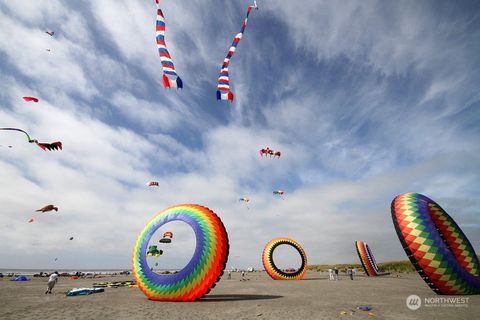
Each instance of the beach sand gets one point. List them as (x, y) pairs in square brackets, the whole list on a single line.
[(315, 297)]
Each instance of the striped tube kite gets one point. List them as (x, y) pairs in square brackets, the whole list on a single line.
[(276, 273), (436, 246), (205, 267), (367, 259), (170, 77), (42, 145), (223, 86)]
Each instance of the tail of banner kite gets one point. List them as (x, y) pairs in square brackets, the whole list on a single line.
[(223, 86), (170, 77), (367, 259)]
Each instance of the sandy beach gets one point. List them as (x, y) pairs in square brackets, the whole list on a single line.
[(315, 297)]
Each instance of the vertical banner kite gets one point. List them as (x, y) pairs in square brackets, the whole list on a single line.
[(170, 77), (223, 86)]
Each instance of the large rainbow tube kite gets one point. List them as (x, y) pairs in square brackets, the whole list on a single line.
[(202, 271), (170, 77), (270, 267), (435, 245), (367, 259), (223, 86)]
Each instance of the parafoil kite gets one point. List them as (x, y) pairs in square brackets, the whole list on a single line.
[(223, 86), (167, 237), (436, 246), (152, 184), (50, 33), (170, 77), (44, 146), (270, 267), (71, 238), (47, 208), (30, 99), (367, 259), (244, 200), (30, 220), (154, 252), (267, 151), (203, 270)]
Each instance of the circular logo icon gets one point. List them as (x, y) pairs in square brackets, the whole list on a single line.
[(413, 302)]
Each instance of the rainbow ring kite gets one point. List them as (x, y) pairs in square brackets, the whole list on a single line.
[(202, 271), (367, 259), (269, 265), (436, 245)]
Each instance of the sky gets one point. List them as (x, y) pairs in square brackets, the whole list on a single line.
[(365, 100)]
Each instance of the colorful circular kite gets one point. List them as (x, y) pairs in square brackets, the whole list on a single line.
[(367, 259), (271, 268), (436, 245), (202, 271)]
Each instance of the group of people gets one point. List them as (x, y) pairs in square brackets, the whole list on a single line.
[(333, 273)]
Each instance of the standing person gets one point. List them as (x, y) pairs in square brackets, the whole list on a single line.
[(52, 280), (350, 273), (229, 274), (336, 273), (330, 274), (243, 275)]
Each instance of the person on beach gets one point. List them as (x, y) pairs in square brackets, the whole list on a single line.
[(52, 280), (330, 274), (350, 273), (229, 275), (336, 273)]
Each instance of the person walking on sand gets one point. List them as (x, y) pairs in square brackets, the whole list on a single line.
[(336, 273), (52, 280), (350, 273)]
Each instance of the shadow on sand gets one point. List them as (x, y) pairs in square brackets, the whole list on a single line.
[(238, 297), (314, 279)]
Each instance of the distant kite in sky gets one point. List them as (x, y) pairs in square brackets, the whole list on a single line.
[(71, 238), (152, 184), (170, 77), (47, 208), (44, 146), (30, 99), (50, 33), (279, 193), (30, 220), (223, 86), (246, 201), (267, 151)]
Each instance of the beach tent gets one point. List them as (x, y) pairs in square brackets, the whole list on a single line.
[(20, 278)]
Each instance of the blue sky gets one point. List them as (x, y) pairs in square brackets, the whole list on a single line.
[(366, 100)]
